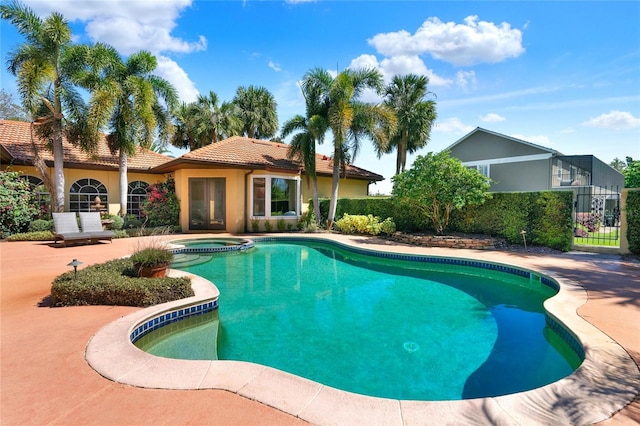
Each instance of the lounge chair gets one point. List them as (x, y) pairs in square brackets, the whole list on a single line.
[(92, 225), (66, 229)]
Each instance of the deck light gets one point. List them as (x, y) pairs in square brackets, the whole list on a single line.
[(75, 263)]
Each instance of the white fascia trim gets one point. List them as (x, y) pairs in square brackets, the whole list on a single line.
[(505, 160)]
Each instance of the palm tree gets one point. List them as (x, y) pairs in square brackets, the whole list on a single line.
[(256, 108), (405, 95), (311, 129), (213, 122), (127, 97), (44, 69), (350, 119), (184, 129)]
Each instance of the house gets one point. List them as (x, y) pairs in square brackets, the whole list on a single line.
[(516, 165), (221, 187)]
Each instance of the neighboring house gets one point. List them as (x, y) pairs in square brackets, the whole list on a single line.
[(221, 187), (517, 165)]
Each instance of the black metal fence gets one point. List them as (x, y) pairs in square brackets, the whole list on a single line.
[(596, 216)]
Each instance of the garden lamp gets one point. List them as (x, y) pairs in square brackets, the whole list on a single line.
[(75, 263)]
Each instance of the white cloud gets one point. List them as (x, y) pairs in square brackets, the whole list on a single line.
[(464, 79), (492, 118), (452, 125), (130, 26), (471, 43), (274, 66), (171, 71), (617, 120), (399, 65), (538, 140)]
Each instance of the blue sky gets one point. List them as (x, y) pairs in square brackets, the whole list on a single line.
[(564, 75)]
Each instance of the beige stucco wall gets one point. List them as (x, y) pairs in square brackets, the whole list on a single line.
[(110, 179)]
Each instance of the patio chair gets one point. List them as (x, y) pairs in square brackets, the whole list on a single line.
[(92, 225), (66, 229)]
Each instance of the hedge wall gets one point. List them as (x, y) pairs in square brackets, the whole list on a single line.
[(545, 216), (633, 221)]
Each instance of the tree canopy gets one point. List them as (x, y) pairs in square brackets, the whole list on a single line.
[(436, 185)]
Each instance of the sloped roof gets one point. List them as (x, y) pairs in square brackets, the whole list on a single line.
[(247, 153), (15, 141), (480, 129)]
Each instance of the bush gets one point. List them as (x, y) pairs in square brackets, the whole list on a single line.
[(152, 256), (114, 283), (132, 221), (39, 225), (633, 221), (267, 226), (116, 222), (281, 225), (31, 236), (18, 206), (161, 206), (368, 225)]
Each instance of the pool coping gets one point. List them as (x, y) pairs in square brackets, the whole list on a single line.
[(601, 386)]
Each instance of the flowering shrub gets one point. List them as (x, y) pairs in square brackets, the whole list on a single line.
[(161, 207), (18, 206), (361, 224), (591, 221)]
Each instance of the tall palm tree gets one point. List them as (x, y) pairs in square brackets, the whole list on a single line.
[(256, 108), (133, 102), (405, 95), (349, 119), (43, 67), (311, 129), (215, 122), (184, 129)]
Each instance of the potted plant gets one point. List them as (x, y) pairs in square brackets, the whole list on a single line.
[(151, 262)]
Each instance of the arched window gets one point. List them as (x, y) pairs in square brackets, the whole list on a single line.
[(136, 195), (40, 190), (83, 193)]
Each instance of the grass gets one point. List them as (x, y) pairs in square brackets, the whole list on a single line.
[(609, 239)]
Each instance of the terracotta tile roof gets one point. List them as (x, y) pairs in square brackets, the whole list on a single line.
[(15, 140), (238, 151)]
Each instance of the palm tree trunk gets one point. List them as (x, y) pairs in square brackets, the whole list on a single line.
[(316, 205), (337, 152), (124, 185), (57, 199)]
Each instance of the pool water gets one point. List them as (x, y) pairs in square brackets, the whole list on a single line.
[(380, 327)]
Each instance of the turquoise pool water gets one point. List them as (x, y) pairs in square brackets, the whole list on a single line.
[(380, 327)]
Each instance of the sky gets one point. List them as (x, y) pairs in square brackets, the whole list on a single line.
[(561, 74)]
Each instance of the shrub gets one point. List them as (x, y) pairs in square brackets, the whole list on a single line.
[(39, 225), (117, 222), (18, 206), (31, 236), (114, 283), (589, 220), (132, 221), (161, 206), (281, 225), (368, 225), (268, 226), (633, 221), (255, 225)]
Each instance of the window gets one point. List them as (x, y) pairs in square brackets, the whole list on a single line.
[(483, 169), (275, 196), (40, 191), (83, 194), (136, 196)]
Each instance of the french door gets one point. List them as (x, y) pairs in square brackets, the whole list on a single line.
[(207, 204)]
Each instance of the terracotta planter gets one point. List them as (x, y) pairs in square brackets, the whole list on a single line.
[(157, 271)]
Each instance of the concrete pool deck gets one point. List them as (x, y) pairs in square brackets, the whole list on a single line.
[(45, 378)]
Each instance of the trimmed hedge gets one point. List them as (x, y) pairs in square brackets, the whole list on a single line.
[(633, 221), (545, 216), (115, 283)]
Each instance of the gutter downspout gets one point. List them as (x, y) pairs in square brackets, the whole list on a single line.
[(246, 196)]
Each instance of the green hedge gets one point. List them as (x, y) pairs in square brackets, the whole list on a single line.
[(545, 216), (633, 221), (114, 283)]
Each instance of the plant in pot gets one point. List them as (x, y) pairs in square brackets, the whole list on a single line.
[(151, 262)]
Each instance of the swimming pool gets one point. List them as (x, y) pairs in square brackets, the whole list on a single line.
[(396, 327)]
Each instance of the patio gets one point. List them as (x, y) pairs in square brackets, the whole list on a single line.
[(45, 378)]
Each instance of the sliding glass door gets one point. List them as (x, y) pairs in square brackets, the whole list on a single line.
[(207, 204)]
